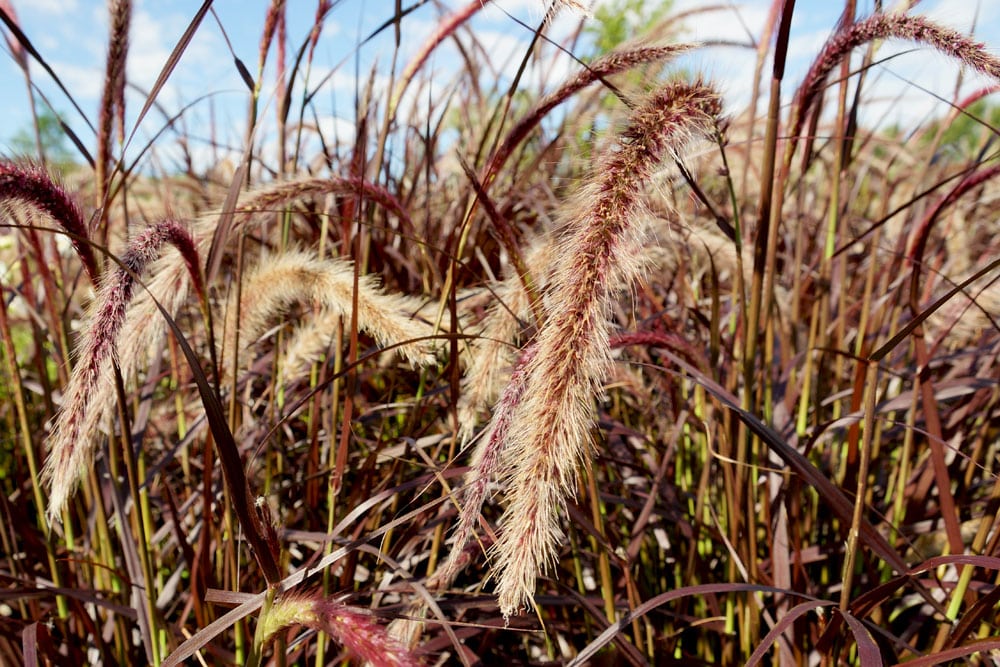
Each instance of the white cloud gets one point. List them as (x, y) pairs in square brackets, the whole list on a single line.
[(736, 23), (529, 11), (57, 7), (333, 129), (83, 82)]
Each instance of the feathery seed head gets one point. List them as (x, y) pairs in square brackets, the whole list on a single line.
[(354, 629), (888, 26), (549, 430), (90, 392), (486, 462), (322, 8), (297, 276), (608, 65), (112, 109), (34, 187)]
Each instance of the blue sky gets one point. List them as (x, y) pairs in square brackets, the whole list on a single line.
[(71, 35)]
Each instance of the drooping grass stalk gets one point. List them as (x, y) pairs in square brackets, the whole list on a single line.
[(278, 195), (281, 280), (486, 463), (622, 60), (481, 382), (892, 25), (91, 388), (29, 189), (549, 435), (32, 186), (170, 280), (921, 233)]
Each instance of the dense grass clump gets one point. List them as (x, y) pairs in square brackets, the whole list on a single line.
[(595, 371)]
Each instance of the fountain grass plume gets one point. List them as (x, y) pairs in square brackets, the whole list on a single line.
[(90, 394), (323, 7), (619, 60), (32, 187), (310, 343), (170, 281), (112, 109), (888, 26), (353, 628), (599, 253), (486, 463), (273, 20), (278, 195), (493, 352), (298, 276)]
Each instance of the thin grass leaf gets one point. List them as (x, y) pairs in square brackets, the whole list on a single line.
[(781, 626), (609, 633)]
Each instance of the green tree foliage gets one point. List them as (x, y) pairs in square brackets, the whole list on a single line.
[(619, 21), (614, 23), (56, 147), (969, 132)]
